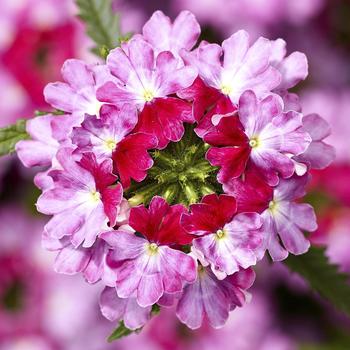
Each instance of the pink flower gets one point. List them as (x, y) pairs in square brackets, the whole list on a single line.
[(269, 139), (91, 262), (284, 220), (128, 310), (213, 299), (70, 260), (47, 133), (81, 199), (78, 93), (318, 155), (230, 147), (228, 241), (293, 69), (102, 135), (163, 35), (110, 137), (146, 81), (147, 267), (243, 67)]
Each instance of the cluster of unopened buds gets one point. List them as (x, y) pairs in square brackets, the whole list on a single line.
[(171, 170)]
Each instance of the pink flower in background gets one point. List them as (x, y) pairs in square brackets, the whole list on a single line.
[(213, 299), (257, 16), (45, 50), (35, 301), (228, 241), (81, 201), (334, 107), (244, 67), (14, 101)]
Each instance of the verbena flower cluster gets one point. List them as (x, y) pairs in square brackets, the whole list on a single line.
[(173, 169)]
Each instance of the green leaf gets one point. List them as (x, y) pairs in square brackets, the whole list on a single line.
[(121, 331), (323, 277), (10, 135), (102, 24)]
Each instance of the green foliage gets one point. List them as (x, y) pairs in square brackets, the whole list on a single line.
[(323, 277), (120, 332), (102, 24), (10, 135)]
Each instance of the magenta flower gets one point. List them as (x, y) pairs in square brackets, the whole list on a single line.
[(284, 220), (81, 201), (147, 267), (77, 94), (109, 137), (146, 81), (228, 241), (128, 310), (202, 97), (269, 139), (213, 299), (236, 66), (163, 35)]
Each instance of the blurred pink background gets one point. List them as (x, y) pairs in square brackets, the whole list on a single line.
[(41, 310)]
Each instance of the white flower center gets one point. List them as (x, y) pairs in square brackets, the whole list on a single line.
[(148, 95), (152, 249), (220, 234), (95, 196), (273, 205), (254, 142), (110, 144), (226, 89)]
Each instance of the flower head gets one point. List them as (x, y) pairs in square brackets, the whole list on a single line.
[(166, 155)]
